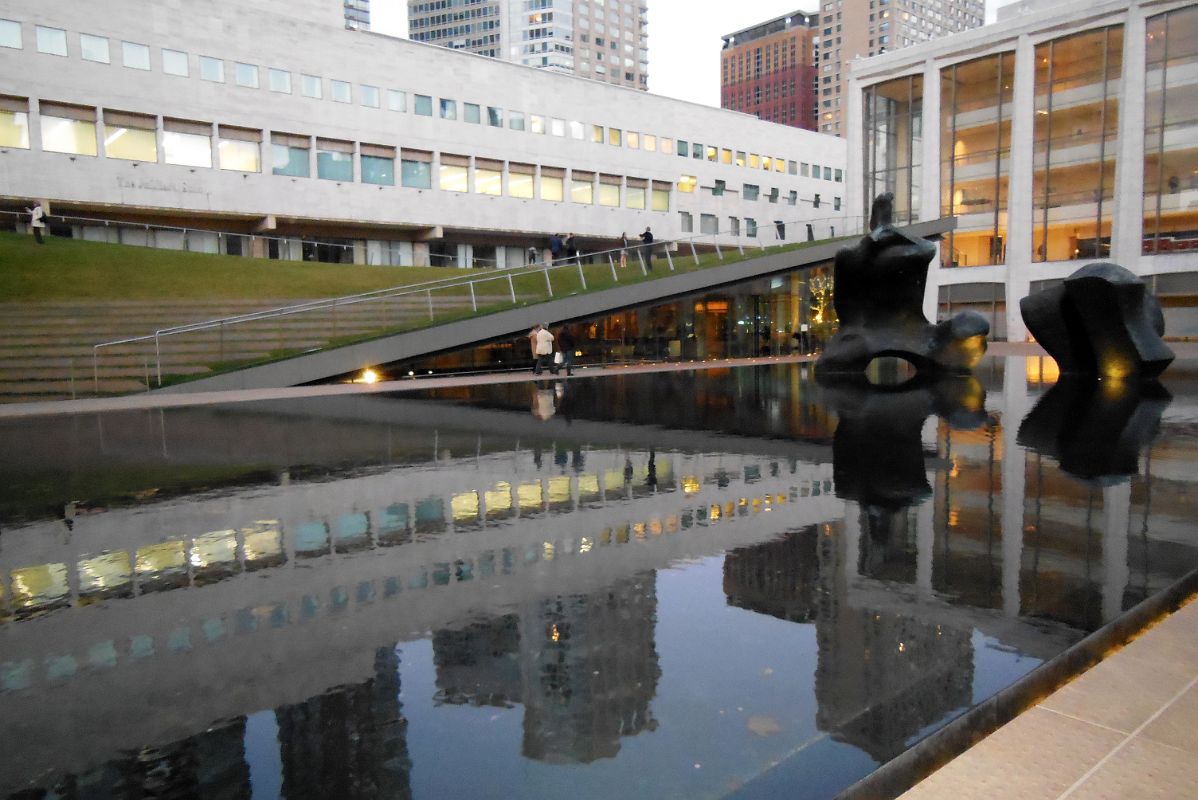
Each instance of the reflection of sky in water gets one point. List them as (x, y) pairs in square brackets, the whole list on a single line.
[(591, 606)]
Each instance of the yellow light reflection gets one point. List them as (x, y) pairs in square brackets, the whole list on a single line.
[(638, 529), (690, 484), (217, 547), (559, 491), (1042, 369), (499, 499), (588, 488), (613, 479), (672, 523), (464, 506), (39, 585), (262, 541), (714, 512), (655, 527), (547, 551), (555, 634), (585, 545), (104, 572), (157, 557), (530, 496)]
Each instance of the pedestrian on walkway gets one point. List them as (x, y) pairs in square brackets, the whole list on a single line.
[(571, 247), (623, 250), (565, 346), (37, 221), (532, 341), (544, 349), (647, 238), (555, 247)]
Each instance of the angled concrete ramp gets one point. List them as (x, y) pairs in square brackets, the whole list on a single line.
[(325, 364)]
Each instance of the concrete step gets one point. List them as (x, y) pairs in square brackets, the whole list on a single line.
[(103, 372)]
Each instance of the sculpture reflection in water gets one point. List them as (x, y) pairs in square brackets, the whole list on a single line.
[(880, 286)]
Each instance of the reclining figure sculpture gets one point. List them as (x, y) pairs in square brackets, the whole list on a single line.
[(879, 298), (1100, 322)]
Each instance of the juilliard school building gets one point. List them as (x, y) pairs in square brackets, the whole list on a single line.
[(1062, 135), (272, 130)]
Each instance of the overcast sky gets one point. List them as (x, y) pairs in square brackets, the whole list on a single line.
[(684, 38)]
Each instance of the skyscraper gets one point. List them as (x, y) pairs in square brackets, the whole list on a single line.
[(850, 29), (357, 14), (769, 70), (606, 40)]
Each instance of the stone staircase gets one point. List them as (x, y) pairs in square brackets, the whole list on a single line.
[(46, 348)]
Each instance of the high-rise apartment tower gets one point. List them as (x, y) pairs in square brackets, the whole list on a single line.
[(769, 70), (357, 14), (850, 29), (606, 40)]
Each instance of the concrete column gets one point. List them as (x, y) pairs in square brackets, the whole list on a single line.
[(1014, 478), (1019, 192), (854, 191), (1116, 512), (214, 139), (851, 547), (1127, 217), (925, 542), (929, 200), (420, 255), (312, 165)]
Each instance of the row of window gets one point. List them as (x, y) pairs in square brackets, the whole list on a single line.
[(53, 41)]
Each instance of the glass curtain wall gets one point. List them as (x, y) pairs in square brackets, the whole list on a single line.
[(1171, 133), (893, 144), (1076, 133), (975, 108)]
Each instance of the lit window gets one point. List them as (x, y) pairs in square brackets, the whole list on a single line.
[(520, 181), (130, 137), (187, 144), (713, 153), (68, 129), (650, 142), (52, 41), (240, 150), (597, 134), (452, 174), (93, 48), (667, 145), (582, 190), (536, 123), (369, 96), (14, 123), (661, 198), (551, 187), (687, 183), (634, 197), (310, 86), (609, 192), (614, 136), (174, 62), (341, 91), (212, 69), (245, 75), (577, 130), (279, 80), (488, 179), (633, 140), (10, 34)]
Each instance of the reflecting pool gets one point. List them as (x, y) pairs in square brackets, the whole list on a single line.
[(721, 583)]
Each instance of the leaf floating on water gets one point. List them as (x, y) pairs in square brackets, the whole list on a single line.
[(763, 725)]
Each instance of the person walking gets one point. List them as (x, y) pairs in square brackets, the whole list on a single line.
[(647, 238), (555, 247), (623, 250), (565, 346), (532, 341), (37, 221), (544, 349), (571, 247)]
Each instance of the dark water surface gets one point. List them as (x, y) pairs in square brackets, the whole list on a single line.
[(708, 584)]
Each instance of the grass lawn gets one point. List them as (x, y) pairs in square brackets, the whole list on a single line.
[(69, 269)]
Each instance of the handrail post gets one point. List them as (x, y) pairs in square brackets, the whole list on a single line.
[(740, 246), (581, 276), (669, 259), (719, 253), (96, 367), (641, 256), (157, 357), (430, 304), (694, 253), (511, 286), (548, 283), (612, 264), (473, 300)]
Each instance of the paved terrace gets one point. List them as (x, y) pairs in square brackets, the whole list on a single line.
[(1121, 729)]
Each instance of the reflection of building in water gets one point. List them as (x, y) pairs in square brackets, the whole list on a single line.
[(778, 578), (584, 666), (349, 742), (209, 764)]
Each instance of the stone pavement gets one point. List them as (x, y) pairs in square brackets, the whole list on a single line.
[(1123, 729)]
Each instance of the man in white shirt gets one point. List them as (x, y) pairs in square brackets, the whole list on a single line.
[(544, 349)]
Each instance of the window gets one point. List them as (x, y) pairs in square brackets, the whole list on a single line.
[(93, 48), (804, 169), (597, 134), (687, 183), (582, 187), (289, 155), (416, 169), (213, 69), (14, 122), (686, 222), (683, 148), (661, 196), (713, 153), (734, 226), (520, 180), (310, 86), (494, 117), (279, 80), (472, 113), (188, 144), (515, 120), (615, 136), (240, 149), (52, 41), (609, 190), (174, 62), (697, 150), (779, 164), (424, 105), (792, 198), (341, 91), (633, 140), (369, 96), (536, 123), (488, 177), (754, 161), (815, 171), (835, 203), (68, 129), (557, 127), (634, 195), (245, 75), (750, 226), (449, 109), (132, 137), (135, 56), (667, 145), (792, 167), (552, 183), (709, 223), (378, 165), (452, 174), (334, 160), (396, 100), (650, 142), (839, 176), (827, 173), (773, 195), (10, 34), (750, 191)]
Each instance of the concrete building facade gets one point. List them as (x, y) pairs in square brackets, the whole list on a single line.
[(606, 41), (769, 70), (1067, 135), (402, 152)]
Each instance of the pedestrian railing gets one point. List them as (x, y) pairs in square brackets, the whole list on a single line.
[(245, 339)]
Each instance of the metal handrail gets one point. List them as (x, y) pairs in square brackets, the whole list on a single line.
[(427, 287)]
